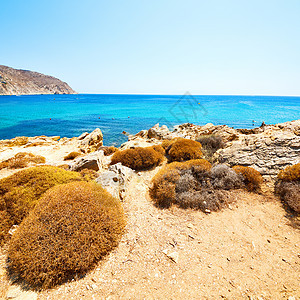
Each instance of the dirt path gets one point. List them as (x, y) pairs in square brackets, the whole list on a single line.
[(248, 251)]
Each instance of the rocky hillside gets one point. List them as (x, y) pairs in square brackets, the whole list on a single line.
[(23, 82)]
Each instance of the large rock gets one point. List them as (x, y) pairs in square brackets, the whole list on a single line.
[(93, 161), (268, 152), (92, 141), (116, 180)]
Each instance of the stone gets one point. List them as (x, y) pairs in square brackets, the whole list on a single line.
[(82, 136), (93, 140), (15, 292), (115, 180), (173, 255), (92, 161), (13, 229)]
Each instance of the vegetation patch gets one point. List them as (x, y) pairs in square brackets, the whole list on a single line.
[(20, 192), (72, 227), (138, 158), (22, 160), (195, 184), (251, 177), (210, 144), (184, 149), (288, 186), (72, 155), (108, 150)]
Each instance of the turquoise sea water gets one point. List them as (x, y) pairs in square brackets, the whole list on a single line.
[(70, 115)]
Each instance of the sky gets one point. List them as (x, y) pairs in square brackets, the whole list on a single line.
[(229, 47)]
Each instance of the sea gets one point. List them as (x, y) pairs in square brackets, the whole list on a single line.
[(71, 115)]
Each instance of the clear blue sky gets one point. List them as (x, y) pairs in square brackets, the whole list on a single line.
[(159, 46)]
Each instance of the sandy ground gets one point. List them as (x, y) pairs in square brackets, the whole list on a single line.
[(247, 251)]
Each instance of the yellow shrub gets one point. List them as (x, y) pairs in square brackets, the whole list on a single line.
[(251, 177), (22, 160), (184, 149), (72, 227), (20, 192), (290, 173), (72, 155), (138, 158)]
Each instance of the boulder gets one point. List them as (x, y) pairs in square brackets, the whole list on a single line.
[(116, 180), (93, 161), (93, 140)]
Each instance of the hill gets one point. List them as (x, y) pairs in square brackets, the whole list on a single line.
[(24, 82)]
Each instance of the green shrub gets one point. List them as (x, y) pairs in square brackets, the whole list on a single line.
[(290, 173), (22, 160), (72, 155), (72, 227), (251, 177), (138, 158), (184, 149), (20, 192)]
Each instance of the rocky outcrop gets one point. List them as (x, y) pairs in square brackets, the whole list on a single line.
[(116, 180), (268, 148), (23, 82)]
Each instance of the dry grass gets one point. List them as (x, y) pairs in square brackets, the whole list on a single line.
[(210, 144), (72, 155), (69, 231), (290, 173), (184, 149), (108, 150), (20, 192), (22, 160), (138, 158), (251, 177)]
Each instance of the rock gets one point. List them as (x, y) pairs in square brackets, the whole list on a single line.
[(157, 132), (93, 140), (116, 179), (93, 161), (82, 136), (13, 229), (173, 255), (15, 292)]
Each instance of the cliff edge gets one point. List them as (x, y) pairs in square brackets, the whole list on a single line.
[(23, 82)]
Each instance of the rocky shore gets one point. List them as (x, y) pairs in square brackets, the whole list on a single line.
[(247, 251)]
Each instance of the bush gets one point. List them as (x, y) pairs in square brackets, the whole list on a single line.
[(290, 173), (184, 149), (108, 150), (72, 155), (168, 181), (138, 158), (22, 160), (159, 149), (69, 231), (210, 143), (20, 192), (223, 177), (252, 178), (290, 193)]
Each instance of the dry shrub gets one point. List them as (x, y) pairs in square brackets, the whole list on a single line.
[(167, 143), (290, 193), (69, 231), (72, 155), (20, 192), (207, 199), (194, 184), (210, 144), (184, 149), (138, 158), (223, 177), (167, 182), (88, 174), (159, 149), (290, 173), (108, 150), (252, 178), (22, 160)]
